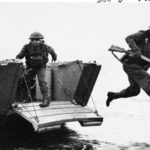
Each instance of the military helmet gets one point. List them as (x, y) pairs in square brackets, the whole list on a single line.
[(36, 35)]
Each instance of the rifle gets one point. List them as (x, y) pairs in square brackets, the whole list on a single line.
[(114, 48)]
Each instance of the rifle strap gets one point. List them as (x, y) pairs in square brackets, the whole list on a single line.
[(117, 57)]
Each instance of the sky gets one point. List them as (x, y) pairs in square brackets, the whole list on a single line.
[(76, 31)]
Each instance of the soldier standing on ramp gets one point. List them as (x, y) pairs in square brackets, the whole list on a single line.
[(135, 67), (36, 55)]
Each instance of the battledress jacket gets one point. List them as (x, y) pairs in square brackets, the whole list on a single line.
[(140, 41), (30, 49)]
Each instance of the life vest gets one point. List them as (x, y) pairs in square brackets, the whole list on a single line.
[(36, 56)]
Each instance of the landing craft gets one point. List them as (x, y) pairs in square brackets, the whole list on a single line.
[(70, 85)]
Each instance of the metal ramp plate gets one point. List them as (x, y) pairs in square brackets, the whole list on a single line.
[(54, 115)]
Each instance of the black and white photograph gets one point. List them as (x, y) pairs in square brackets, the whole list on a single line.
[(74, 75)]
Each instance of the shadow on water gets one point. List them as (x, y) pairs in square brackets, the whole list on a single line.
[(18, 134)]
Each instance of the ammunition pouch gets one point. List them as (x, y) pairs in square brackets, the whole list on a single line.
[(36, 61)]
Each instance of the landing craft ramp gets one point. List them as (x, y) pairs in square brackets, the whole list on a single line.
[(67, 81), (55, 115)]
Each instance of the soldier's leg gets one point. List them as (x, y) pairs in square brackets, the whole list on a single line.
[(30, 80), (144, 81), (140, 76), (132, 90), (43, 87)]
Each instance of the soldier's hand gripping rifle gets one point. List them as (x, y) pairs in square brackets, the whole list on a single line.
[(131, 53)]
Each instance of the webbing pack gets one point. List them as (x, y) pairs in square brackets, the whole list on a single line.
[(36, 56)]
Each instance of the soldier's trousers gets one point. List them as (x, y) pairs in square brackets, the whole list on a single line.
[(41, 74), (138, 78)]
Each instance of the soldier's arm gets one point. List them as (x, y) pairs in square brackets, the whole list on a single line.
[(145, 58), (51, 51), (134, 38), (21, 53)]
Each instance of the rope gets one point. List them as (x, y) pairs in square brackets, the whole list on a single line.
[(27, 111), (62, 85), (36, 117), (65, 89), (96, 112)]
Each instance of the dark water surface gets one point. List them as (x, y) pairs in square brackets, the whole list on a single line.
[(19, 135), (126, 126), (60, 139)]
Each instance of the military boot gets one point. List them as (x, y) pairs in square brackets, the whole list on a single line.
[(113, 95), (46, 101), (110, 97)]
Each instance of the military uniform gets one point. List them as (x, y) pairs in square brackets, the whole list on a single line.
[(135, 67), (36, 58)]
